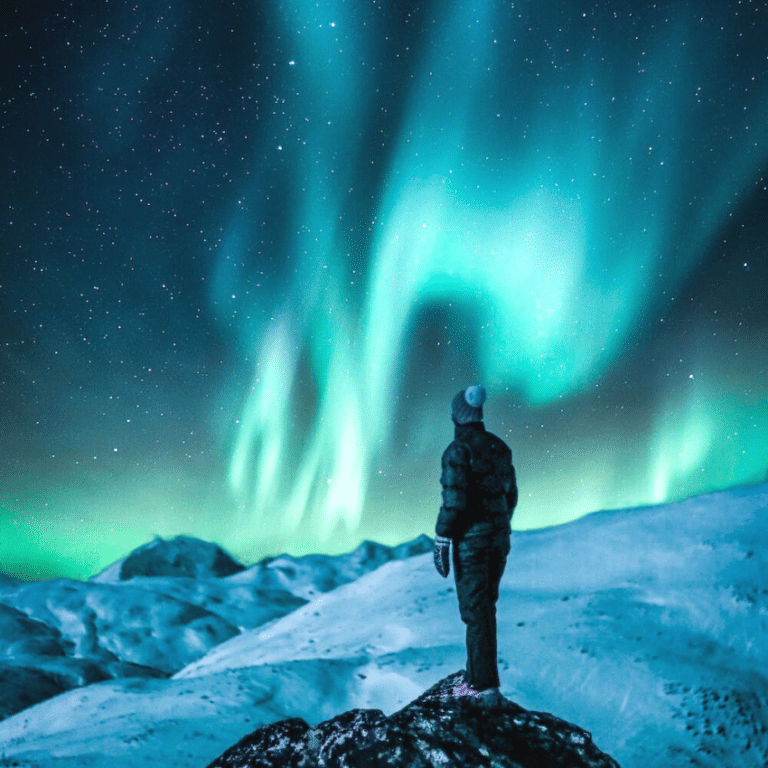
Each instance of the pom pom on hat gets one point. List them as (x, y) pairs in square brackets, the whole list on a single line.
[(467, 405), (475, 396)]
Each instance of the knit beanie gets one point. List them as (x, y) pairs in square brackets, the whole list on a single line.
[(467, 405)]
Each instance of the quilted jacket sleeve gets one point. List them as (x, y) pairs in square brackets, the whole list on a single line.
[(512, 493), (454, 479)]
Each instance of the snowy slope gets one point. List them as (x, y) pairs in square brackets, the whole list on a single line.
[(63, 634), (648, 627)]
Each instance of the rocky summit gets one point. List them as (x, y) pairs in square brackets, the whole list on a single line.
[(436, 729)]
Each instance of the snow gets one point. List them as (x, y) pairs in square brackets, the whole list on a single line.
[(647, 627)]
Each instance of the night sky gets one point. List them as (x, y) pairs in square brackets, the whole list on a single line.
[(250, 251)]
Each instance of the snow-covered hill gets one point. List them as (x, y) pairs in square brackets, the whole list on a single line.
[(64, 634), (648, 627)]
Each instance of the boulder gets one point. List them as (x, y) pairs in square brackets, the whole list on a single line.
[(436, 729), (180, 556)]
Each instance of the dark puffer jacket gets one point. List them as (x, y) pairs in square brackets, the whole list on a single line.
[(479, 485)]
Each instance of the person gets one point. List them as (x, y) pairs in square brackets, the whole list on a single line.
[(479, 495)]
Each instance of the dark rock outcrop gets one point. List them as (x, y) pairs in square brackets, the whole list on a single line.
[(180, 556), (28, 680), (21, 687), (437, 729)]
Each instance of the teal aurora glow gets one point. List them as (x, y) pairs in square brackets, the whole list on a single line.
[(287, 233)]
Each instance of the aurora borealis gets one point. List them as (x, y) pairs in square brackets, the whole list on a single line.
[(250, 250)]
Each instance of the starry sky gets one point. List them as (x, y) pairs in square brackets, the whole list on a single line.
[(250, 251)]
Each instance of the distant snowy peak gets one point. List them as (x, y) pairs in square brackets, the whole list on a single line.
[(181, 556), (310, 575), (417, 546), (305, 576)]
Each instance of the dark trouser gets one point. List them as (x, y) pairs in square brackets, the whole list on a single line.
[(478, 565)]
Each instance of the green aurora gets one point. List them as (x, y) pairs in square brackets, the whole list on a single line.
[(344, 214)]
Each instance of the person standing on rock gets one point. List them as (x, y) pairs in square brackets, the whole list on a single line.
[(479, 496)]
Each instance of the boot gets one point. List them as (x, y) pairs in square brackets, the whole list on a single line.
[(490, 696)]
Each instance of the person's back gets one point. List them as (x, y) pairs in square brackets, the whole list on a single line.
[(479, 497), (479, 484)]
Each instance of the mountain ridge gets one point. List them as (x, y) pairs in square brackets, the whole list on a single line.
[(645, 627)]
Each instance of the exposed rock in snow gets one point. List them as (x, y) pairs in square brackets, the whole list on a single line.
[(21, 687), (28, 679), (22, 635), (180, 556), (437, 729)]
